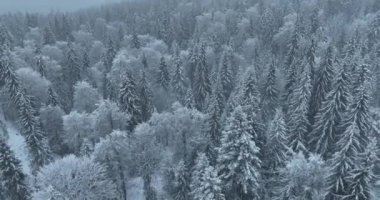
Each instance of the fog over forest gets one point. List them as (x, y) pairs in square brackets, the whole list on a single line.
[(189, 99)]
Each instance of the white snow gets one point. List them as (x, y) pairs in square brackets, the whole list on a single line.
[(17, 144)]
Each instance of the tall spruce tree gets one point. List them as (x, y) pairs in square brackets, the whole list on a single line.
[(52, 98), (179, 80), (145, 95), (129, 101), (205, 183), (71, 74), (181, 190), (12, 178), (269, 100), (163, 78), (277, 142), (41, 65), (329, 119), (299, 109), (323, 83), (238, 160), (35, 138), (109, 55), (202, 84), (226, 75)]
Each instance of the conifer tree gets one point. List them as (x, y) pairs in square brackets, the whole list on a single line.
[(85, 63), (144, 61), (322, 84), (12, 178), (299, 108), (329, 119), (205, 184), (129, 101), (135, 41), (269, 98), (202, 85), (109, 55), (52, 98), (41, 65), (238, 161), (181, 188), (36, 141), (48, 36), (277, 142), (213, 129), (179, 80), (145, 95), (71, 73), (189, 101), (226, 75), (163, 75)]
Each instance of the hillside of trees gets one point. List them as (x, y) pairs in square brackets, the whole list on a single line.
[(196, 99)]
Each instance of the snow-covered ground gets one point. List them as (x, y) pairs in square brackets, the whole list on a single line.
[(17, 144)]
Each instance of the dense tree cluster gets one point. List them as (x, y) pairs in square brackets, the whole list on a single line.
[(192, 99)]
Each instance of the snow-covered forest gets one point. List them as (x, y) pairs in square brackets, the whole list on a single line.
[(192, 100)]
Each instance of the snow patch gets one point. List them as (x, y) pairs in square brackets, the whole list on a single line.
[(17, 144)]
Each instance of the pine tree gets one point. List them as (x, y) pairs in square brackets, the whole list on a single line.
[(109, 55), (299, 108), (85, 62), (71, 73), (238, 161), (205, 184), (250, 94), (52, 98), (35, 138), (135, 41), (129, 101), (213, 129), (163, 75), (269, 100), (328, 121), (12, 178), (202, 85), (343, 161), (41, 65), (48, 36), (179, 80), (145, 95), (277, 142), (322, 84), (226, 75), (181, 189), (189, 101)]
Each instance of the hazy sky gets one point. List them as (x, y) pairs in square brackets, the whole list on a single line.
[(47, 5)]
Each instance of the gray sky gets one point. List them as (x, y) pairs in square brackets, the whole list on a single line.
[(48, 5)]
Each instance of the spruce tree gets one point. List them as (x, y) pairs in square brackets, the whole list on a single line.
[(189, 101), (109, 55), (238, 161), (181, 190), (41, 65), (12, 178), (226, 75), (129, 101), (277, 142), (71, 73), (135, 41), (35, 138), (329, 119), (322, 84), (145, 95), (144, 61), (343, 161), (202, 84), (205, 183), (269, 100), (163, 75), (52, 98), (48, 36), (213, 129), (299, 109), (179, 80)]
